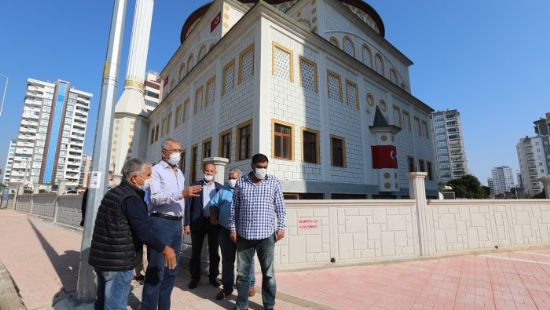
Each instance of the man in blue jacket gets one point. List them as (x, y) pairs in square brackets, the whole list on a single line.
[(220, 213), (197, 222)]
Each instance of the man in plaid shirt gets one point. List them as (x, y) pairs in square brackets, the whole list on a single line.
[(257, 222)]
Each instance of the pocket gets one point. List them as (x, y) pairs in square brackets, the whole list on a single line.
[(108, 275)]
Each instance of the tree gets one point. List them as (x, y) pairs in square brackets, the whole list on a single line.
[(468, 186), (541, 195)]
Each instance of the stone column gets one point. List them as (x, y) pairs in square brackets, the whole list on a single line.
[(62, 187), (220, 164), (417, 191), (546, 183)]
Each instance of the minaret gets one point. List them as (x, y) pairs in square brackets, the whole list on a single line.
[(129, 121)]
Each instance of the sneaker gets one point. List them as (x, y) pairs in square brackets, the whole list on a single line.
[(193, 284), (251, 292), (223, 294), (215, 282)]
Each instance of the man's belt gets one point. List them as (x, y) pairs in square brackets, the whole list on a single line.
[(167, 217)]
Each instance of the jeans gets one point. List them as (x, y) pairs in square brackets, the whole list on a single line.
[(245, 258), (201, 228), (229, 251), (113, 288), (159, 280)]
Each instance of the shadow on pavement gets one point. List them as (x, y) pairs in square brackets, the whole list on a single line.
[(66, 266), (206, 291)]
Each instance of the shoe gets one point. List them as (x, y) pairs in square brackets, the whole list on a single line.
[(251, 292), (223, 294), (193, 284), (215, 282), (139, 278)]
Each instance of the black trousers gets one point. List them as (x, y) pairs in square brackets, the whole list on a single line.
[(201, 228)]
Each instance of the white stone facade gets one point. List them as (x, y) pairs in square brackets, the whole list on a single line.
[(533, 157), (288, 84), (9, 163), (448, 141), (503, 180), (51, 135)]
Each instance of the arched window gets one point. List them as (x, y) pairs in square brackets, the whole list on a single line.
[(348, 46), (379, 64), (182, 71), (370, 100), (393, 76), (334, 41), (367, 56), (190, 63), (202, 52), (171, 86), (383, 105)]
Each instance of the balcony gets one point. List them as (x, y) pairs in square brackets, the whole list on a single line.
[(33, 102)]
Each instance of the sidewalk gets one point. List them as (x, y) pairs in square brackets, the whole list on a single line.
[(43, 261)]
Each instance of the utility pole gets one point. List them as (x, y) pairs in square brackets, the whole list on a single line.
[(86, 289)]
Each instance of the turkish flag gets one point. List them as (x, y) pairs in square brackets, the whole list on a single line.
[(384, 156), (216, 21)]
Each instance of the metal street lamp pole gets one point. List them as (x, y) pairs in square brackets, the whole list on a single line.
[(4, 95), (86, 290)]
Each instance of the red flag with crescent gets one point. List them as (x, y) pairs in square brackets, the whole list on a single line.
[(216, 21), (384, 156)]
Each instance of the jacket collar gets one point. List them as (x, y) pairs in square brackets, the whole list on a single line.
[(128, 185)]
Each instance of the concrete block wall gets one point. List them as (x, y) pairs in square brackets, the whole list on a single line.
[(64, 210), (327, 232), (24, 203), (476, 224), (44, 205), (68, 211), (347, 231)]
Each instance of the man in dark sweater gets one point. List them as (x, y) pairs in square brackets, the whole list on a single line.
[(121, 228)]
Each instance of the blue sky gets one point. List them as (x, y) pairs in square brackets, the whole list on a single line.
[(488, 59)]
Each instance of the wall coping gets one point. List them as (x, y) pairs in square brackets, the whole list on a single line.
[(405, 203), (477, 202)]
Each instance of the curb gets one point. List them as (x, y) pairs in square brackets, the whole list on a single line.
[(9, 295)]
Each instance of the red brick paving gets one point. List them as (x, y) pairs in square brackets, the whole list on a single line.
[(512, 280)]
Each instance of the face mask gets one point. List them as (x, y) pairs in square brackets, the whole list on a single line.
[(208, 178), (232, 183), (174, 159), (260, 173), (147, 184)]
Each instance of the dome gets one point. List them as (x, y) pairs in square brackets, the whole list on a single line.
[(363, 10)]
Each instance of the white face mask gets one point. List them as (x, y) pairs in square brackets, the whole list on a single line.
[(260, 173), (208, 178), (232, 183), (174, 159), (146, 184)]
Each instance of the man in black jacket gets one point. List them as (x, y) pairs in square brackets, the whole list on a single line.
[(197, 222), (121, 228)]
